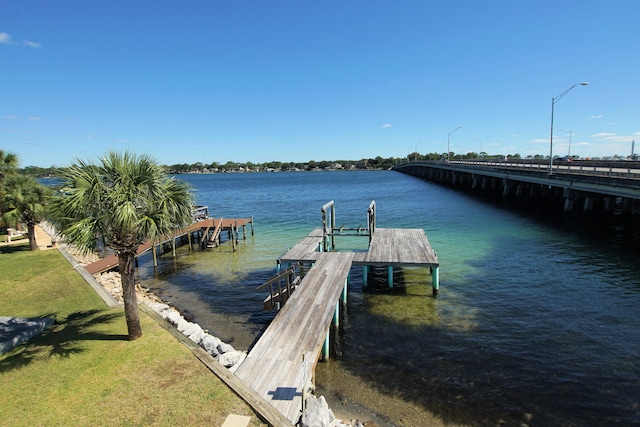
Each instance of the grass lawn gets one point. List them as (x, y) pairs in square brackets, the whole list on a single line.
[(84, 371)]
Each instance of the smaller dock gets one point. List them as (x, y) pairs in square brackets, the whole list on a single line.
[(208, 231)]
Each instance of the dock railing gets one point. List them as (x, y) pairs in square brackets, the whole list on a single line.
[(281, 286)]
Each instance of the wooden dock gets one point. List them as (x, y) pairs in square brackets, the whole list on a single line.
[(281, 365), (203, 227), (282, 362)]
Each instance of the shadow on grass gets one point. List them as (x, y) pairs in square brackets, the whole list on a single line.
[(64, 339), (9, 249)]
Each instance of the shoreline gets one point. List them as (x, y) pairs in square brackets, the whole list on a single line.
[(350, 413)]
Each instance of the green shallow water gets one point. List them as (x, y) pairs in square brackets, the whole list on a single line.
[(536, 321)]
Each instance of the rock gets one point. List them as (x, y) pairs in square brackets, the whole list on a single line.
[(317, 413), (182, 324), (225, 348), (191, 329), (158, 307), (210, 344), (231, 358), (197, 336), (171, 315)]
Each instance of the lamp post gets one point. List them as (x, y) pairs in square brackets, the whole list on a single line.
[(570, 135), (449, 142), (553, 103)]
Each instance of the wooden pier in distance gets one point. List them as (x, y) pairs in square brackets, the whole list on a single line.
[(280, 367), (208, 234)]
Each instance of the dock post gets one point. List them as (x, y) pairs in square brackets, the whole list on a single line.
[(390, 276), (325, 346), (336, 315), (365, 276), (345, 291), (155, 256), (252, 231), (435, 281)]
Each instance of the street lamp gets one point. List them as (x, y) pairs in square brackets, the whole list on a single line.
[(553, 103), (449, 141), (570, 134)]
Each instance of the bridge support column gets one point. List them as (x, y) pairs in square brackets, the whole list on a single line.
[(505, 189), (390, 276), (588, 204), (435, 279), (568, 204), (336, 315)]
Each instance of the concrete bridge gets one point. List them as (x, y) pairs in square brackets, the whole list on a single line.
[(585, 186)]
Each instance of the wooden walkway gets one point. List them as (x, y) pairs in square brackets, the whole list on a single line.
[(274, 367), (110, 262)]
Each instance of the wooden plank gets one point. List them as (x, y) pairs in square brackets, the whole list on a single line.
[(273, 367)]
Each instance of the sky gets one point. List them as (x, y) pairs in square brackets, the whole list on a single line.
[(293, 81)]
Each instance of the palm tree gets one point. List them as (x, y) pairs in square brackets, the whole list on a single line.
[(8, 163), (121, 203), (24, 200)]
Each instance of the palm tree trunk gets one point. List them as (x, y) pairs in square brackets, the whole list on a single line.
[(126, 264), (31, 232)]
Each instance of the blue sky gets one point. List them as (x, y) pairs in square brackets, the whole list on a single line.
[(189, 81)]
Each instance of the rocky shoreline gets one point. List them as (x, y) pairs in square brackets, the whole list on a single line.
[(317, 414)]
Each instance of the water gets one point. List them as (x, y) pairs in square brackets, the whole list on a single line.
[(536, 322)]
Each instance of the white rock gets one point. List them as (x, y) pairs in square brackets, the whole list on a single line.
[(225, 348), (231, 358), (171, 315), (197, 336), (158, 307), (317, 413), (191, 329), (235, 367), (210, 344), (182, 324)]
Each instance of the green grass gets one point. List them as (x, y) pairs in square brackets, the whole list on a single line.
[(84, 371)]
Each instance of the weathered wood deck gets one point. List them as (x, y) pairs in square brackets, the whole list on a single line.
[(389, 246), (274, 367), (111, 261), (398, 247)]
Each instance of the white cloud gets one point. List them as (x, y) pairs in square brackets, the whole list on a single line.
[(615, 138), (31, 44), (10, 117), (5, 38), (35, 118), (121, 140), (599, 116), (386, 125)]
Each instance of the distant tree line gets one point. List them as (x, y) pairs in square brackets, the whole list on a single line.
[(312, 165)]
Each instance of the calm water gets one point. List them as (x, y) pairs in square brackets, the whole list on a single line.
[(536, 322)]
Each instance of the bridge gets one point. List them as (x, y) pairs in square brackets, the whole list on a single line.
[(585, 186)]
